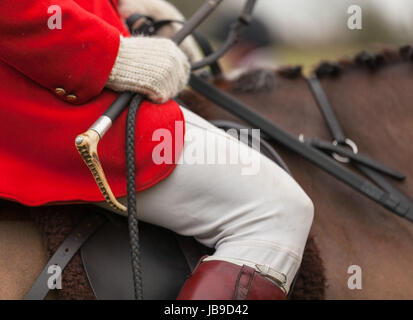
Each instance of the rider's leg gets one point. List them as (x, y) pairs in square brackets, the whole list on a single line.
[(251, 211)]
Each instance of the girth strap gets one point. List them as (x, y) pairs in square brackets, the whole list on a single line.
[(65, 253)]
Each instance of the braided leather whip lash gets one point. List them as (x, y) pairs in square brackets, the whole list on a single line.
[(131, 187)]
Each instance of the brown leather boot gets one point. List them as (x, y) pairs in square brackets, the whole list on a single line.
[(221, 280)]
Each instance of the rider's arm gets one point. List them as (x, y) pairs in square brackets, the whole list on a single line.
[(78, 58)]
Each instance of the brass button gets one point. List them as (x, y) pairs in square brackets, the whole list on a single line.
[(60, 91), (71, 97)]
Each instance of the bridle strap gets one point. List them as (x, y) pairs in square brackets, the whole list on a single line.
[(326, 109)]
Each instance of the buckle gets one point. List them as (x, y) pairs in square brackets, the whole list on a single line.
[(279, 278)]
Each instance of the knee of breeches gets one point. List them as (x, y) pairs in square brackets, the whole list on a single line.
[(301, 206), (292, 213)]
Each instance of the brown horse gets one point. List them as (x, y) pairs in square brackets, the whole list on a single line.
[(371, 99)]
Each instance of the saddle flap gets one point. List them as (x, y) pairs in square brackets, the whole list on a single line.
[(107, 261)]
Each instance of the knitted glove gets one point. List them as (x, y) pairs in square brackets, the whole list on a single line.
[(162, 10), (154, 67)]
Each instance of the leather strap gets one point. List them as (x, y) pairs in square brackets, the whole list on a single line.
[(243, 284), (326, 109), (207, 50), (357, 157), (405, 208), (65, 253), (279, 135), (392, 198)]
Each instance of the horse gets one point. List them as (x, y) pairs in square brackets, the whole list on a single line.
[(348, 229)]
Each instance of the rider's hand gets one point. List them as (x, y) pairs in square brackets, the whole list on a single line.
[(161, 10), (155, 67)]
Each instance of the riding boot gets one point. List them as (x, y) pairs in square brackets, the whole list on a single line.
[(221, 280)]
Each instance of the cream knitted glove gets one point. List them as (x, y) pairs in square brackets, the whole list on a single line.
[(160, 10), (154, 67)]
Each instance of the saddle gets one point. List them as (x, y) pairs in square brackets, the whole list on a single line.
[(167, 259)]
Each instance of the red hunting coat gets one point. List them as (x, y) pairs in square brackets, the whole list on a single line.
[(51, 89)]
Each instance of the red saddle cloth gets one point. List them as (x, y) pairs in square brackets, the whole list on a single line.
[(39, 163)]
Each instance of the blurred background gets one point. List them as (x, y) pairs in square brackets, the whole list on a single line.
[(307, 31)]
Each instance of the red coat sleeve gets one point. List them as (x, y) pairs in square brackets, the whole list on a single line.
[(73, 62)]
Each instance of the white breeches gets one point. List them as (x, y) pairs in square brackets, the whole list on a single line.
[(251, 211)]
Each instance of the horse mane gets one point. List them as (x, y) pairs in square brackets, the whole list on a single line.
[(370, 62), (258, 80)]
